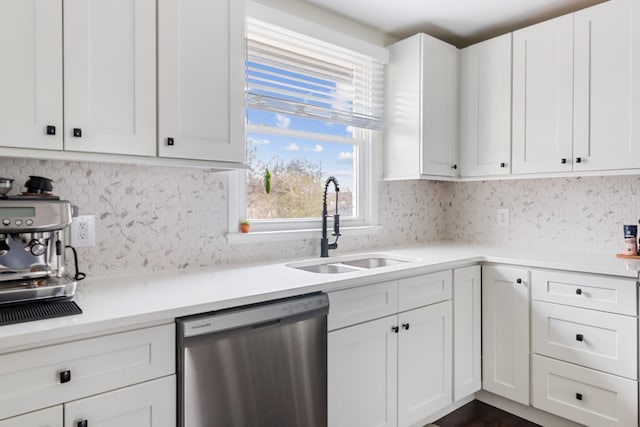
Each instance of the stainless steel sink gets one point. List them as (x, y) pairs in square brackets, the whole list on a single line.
[(349, 264), (327, 268), (374, 262)]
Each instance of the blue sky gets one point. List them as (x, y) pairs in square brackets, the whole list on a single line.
[(336, 158)]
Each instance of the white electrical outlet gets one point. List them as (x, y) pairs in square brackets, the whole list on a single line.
[(83, 231), (502, 218)]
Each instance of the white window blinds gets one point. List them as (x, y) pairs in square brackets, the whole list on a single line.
[(290, 73)]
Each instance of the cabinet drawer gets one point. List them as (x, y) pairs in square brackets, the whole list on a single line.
[(605, 293), (151, 404), (598, 340), (50, 417), (583, 395), (31, 379), (424, 290), (361, 304)]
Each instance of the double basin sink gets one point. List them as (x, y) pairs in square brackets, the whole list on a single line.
[(350, 264)]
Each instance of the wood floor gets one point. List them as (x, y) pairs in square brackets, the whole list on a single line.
[(479, 414)]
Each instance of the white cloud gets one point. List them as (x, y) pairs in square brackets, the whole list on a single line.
[(350, 129), (345, 156), (316, 149), (282, 121), (292, 147), (257, 141)]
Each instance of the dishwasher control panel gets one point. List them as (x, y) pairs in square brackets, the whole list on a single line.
[(254, 315)]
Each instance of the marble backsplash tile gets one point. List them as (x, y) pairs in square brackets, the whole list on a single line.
[(584, 214), (160, 218), (165, 218)]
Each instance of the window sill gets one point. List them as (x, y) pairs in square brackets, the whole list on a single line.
[(237, 238)]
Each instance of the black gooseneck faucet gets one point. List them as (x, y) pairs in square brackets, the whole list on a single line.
[(324, 242)]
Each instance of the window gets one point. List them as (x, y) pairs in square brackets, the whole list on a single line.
[(314, 110)]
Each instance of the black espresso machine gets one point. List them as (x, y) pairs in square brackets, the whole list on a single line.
[(33, 230)]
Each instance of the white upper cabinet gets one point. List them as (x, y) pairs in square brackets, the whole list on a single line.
[(607, 86), (201, 57), (485, 108), (543, 97), (421, 129), (110, 76), (31, 74)]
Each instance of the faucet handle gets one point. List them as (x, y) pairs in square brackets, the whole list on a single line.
[(336, 225)]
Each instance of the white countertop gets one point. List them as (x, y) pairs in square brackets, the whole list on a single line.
[(126, 302)]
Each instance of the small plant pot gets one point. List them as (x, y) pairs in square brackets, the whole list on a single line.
[(245, 228)]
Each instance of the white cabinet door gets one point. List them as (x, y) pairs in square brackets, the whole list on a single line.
[(110, 76), (543, 97), (467, 338), (424, 362), (439, 107), (505, 332), (31, 74), (402, 132), (201, 79), (421, 107), (607, 86), (362, 374), (150, 404), (485, 108), (50, 417)]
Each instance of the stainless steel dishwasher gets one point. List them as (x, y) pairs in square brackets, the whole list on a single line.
[(255, 366)]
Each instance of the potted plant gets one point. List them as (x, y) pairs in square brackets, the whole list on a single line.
[(245, 225)]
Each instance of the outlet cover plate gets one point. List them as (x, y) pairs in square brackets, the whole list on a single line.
[(83, 231), (502, 217)]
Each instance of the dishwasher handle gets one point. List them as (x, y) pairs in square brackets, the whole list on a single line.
[(304, 307)]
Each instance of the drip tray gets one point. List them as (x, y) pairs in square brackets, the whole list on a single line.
[(37, 311)]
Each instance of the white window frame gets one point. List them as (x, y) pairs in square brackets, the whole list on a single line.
[(368, 166)]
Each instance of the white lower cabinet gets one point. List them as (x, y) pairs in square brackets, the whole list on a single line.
[(150, 404), (583, 395), (50, 417), (505, 332), (424, 362), (363, 377), (390, 349), (585, 347), (467, 331), (124, 379), (598, 340)]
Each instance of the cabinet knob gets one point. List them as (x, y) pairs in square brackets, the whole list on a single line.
[(82, 423), (170, 141), (405, 326), (579, 396), (454, 166), (51, 130), (65, 376), (519, 281), (395, 329), (503, 165), (578, 159), (77, 132), (563, 161), (579, 337), (578, 291)]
